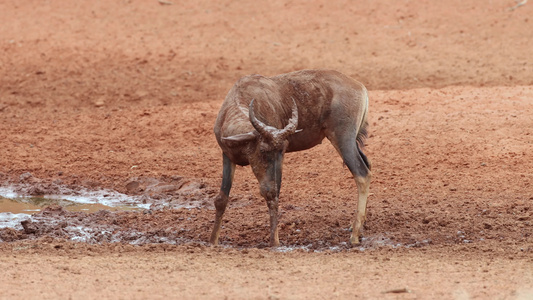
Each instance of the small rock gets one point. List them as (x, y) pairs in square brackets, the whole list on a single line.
[(132, 186), (28, 226), (141, 94), (25, 176), (99, 103)]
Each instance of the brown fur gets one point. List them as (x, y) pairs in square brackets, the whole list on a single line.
[(329, 104)]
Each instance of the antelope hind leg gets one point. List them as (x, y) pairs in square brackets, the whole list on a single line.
[(359, 166), (363, 184)]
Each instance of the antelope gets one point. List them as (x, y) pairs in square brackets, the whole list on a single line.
[(262, 118)]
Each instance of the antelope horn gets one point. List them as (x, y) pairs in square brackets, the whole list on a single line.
[(293, 122), (262, 128), (272, 132)]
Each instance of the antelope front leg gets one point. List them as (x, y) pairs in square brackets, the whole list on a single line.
[(221, 201), (363, 184), (268, 173), (270, 191)]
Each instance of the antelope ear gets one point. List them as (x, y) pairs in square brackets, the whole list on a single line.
[(244, 137)]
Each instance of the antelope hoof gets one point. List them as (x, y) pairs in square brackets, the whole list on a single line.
[(274, 243), (354, 240), (214, 239)]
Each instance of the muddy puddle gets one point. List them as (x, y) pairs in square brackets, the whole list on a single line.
[(20, 208), (67, 198), (152, 211), (30, 205), (20, 200)]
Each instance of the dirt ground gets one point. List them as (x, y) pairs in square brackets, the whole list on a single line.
[(123, 95)]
